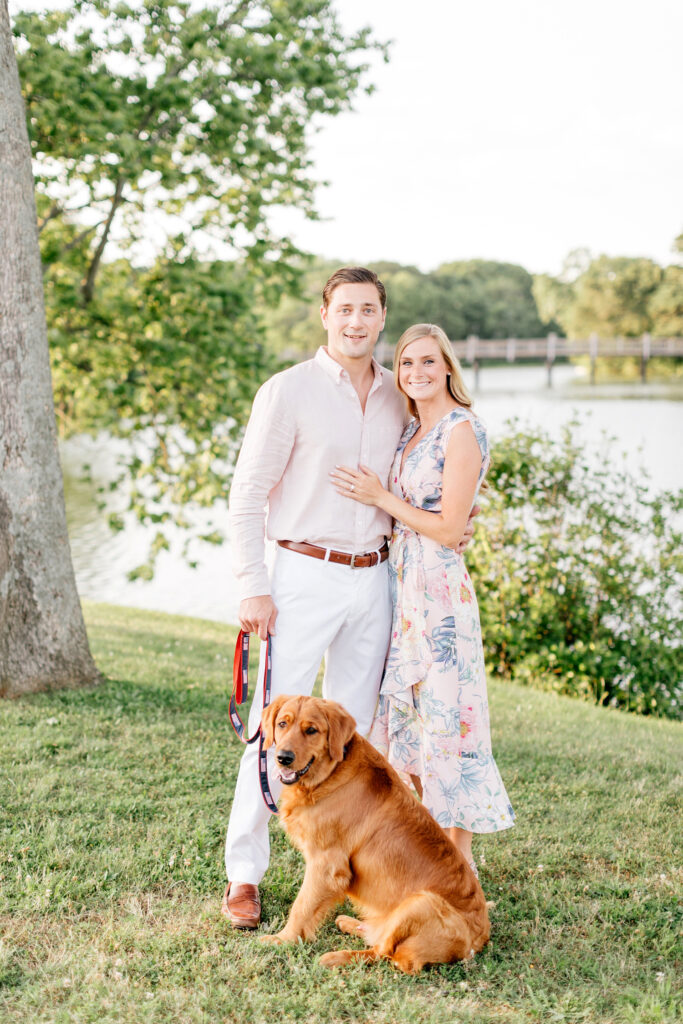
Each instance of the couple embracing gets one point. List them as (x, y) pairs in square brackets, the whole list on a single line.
[(343, 457)]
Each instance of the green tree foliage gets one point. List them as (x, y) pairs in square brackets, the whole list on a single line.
[(293, 327), (666, 304), (492, 300), (196, 113), (495, 299), (553, 297), (165, 132), (415, 297), (167, 357), (612, 297), (579, 575)]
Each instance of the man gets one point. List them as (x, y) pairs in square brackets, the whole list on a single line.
[(329, 592)]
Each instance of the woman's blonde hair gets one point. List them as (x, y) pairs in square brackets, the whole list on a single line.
[(456, 386)]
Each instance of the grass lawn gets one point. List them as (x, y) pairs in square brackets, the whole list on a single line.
[(114, 807)]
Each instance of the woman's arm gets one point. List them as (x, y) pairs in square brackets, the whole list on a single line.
[(460, 475)]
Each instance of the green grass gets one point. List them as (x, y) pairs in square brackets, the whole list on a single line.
[(114, 807)]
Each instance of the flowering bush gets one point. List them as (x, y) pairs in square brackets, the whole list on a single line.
[(579, 574)]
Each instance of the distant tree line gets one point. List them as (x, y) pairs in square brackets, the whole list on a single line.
[(482, 297), (613, 296), (610, 296)]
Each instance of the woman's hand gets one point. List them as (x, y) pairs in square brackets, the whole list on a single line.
[(360, 484)]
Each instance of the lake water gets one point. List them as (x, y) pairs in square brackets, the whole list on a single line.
[(647, 422)]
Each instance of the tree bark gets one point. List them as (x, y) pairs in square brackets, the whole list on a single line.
[(43, 643)]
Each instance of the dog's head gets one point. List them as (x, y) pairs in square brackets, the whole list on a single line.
[(309, 736)]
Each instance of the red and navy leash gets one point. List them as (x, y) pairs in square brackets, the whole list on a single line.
[(240, 692)]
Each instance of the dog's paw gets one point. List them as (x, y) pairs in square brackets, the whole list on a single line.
[(339, 958), (273, 940), (349, 925)]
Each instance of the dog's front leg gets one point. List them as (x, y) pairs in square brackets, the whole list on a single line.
[(325, 884)]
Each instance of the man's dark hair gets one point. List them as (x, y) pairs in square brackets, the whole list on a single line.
[(353, 275)]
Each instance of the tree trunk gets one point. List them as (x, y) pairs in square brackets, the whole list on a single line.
[(43, 643)]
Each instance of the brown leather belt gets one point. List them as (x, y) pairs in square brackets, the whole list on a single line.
[(338, 557)]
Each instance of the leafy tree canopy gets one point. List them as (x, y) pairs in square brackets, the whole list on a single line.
[(613, 296), (666, 304), (195, 114), (492, 300), (165, 132), (496, 298)]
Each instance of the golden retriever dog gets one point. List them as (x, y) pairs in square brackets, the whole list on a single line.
[(364, 835)]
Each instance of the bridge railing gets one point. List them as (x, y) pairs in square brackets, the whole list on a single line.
[(474, 351)]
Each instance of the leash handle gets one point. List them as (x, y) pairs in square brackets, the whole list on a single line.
[(240, 670), (240, 685), (240, 692)]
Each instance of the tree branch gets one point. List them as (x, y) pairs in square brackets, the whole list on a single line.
[(236, 17), (89, 283), (72, 245), (54, 212)]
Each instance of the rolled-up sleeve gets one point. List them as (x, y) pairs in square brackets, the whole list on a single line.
[(265, 452)]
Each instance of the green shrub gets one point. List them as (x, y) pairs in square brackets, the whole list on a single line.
[(579, 574)]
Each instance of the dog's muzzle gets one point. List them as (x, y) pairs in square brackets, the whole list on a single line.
[(289, 777)]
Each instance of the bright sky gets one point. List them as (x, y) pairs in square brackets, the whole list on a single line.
[(508, 129), (512, 130)]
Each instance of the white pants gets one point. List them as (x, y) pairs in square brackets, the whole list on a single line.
[(323, 609)]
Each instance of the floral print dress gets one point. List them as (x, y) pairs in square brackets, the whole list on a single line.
[(432, 718)]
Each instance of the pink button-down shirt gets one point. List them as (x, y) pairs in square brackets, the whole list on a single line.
[(305, 421)]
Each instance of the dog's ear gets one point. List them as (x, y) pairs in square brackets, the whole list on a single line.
[(341, 727), (268, 717)]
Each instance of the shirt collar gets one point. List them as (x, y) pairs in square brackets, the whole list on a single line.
[(337, 371)]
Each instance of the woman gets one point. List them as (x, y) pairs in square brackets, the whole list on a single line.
[(432, 720)]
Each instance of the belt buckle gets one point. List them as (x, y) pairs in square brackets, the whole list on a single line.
[(352, 563)]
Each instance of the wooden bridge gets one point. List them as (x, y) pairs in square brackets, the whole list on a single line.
[(475, 351)]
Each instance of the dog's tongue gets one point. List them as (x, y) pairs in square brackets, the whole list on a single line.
[(287, 775)]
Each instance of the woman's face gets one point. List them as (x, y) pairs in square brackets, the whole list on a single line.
[(422, 370)]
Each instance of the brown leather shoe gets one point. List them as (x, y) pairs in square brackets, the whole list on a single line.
[(242, 905)]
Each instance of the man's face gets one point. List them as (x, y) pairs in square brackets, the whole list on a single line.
[(353, 321)]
